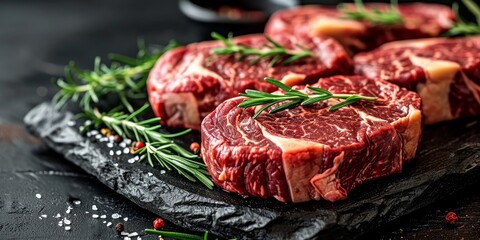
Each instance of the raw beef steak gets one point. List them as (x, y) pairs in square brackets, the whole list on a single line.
[(419, 21), (445, 72), (187, 83), (309, 152)]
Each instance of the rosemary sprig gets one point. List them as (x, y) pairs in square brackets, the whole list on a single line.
[(375, 15), (158, 146), (294, 98), (177, 235), (463, 27), (273, 50), (126, 77)]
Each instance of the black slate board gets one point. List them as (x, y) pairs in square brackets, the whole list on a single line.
[(448, 161)]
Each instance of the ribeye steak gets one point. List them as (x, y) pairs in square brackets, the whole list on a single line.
[(419, 21), (187, 83), (445, 72), (308, 152)]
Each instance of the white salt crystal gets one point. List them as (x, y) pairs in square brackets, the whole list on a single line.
[(116, 216), (109, 224), (162, 172), (150, 174), (125, 219), (87, 212), (94, 207), (111, 153), (95, 216), (115, 164), (127, 238), (67, 228), (133, 234), (69, 209), (127, 141), (104, 221), (118, 152), (103, 216), (66, 221), (123, 144), (38, 195), (77, 202), (131, 160), (58, 215), (98, 136), (71, 123), (126, 150), (40, 218), (60, 223), (110, 145), (124, 233)]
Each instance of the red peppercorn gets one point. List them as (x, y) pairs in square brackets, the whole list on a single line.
[(195, 147), (451, 218), (139, 145), (158, 223)]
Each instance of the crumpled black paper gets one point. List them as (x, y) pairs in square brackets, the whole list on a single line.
[(448, 161)]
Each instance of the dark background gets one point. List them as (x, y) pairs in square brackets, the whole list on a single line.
[(37, 38)]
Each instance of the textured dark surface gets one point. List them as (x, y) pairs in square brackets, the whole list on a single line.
[(448, 161), (37, 38)]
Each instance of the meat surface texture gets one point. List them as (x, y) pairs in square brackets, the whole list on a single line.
[(419, 21), (444, 72), (309, 153), (187, 83)]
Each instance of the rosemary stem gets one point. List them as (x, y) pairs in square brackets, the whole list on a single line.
[(345, 96)]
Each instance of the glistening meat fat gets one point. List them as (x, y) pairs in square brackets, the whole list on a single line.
[(419, 21), (445, 72), (310, 153), (187, 83)]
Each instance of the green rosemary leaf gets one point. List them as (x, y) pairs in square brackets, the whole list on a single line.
[(273, 50), (294, 98), (463, 27), (375, 16)]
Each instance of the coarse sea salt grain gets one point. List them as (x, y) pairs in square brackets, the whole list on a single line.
[(40, 218), (104, 221), (125, 219), (110, 145), (126, 150), (38, 195), (103, 216), (127, 238), (58, 215), (115, 164), (87, 212), (109, 224), (150, 174), (60, 223), (116, 216), (68, 228), (127, 141), (118, 152), (111, 153), (131, 160), (77, 202), (44, 215), (95, 216), (66, 221), (98, 136), (123, 144), (69, 209), (71, 123), (139, 238), (162, 172), (133, 234)]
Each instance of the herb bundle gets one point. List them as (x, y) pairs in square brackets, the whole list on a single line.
[(375, 15), (273, 50), (294, 98), (158, 147), (462, 27), (126, 78)]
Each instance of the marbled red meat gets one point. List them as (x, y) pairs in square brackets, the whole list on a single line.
[(187, 83), (309, 153), (445, 72), (419, 21)]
